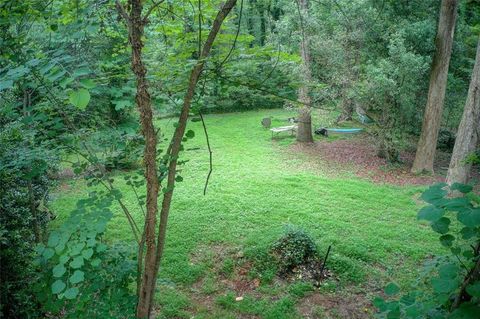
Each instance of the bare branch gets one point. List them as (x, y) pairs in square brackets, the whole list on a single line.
[(209, 155), (155, 4), (123, 13)]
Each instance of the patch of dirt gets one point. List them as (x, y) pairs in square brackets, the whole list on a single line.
[(358, 155), (319, 306)]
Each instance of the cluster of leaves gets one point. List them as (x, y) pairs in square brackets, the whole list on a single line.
[(449, 286), (81, 275), (295, 247), (27, 160)]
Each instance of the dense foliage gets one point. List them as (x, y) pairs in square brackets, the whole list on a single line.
[(449, 286)]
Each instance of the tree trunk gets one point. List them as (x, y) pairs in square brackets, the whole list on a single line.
[(144, 105), (468, 130), (427, 143), (155, 242), (304, 132)]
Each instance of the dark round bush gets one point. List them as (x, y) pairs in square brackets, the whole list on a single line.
[(295, 247)]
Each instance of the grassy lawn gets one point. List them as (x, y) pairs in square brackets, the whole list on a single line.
[(256, 188)]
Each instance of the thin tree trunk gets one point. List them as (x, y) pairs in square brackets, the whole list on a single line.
[(155, 242), (182, 124), (304, 132), (427, 143), (136, 24), (468, 130)]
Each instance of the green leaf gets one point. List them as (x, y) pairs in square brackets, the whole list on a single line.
[(65, 81), (96, 262), (474, 289), (77, 248), (448, 271), (196, 119), (101, 248), (434, 194), (78, 276), (53, 239), (58, 270), (91, 242), (48, 253), (71, 293), (79, 98), (466, 311), (178, 178), (467, 232), (59, 248), (441, 225), (58, 286), (457, 204), (121, 104), (461, 188), (77, 262), (441, 285), (63, 259), (87, 253), (7, 84), (469, 217), (431, 213), (190, 134), (447, 240), (392, 289), (81, 72), (88, 83)]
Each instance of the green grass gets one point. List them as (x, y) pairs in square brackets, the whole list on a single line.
[(256, 188)]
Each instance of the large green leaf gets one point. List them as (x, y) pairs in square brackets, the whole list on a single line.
[(447, 240), (441, 225), (391, 289), (71, 293), (431, 213), (77, 262), (470, 217), (444, 285), (78, 276), (59, 270), (53, 239), (461, 188), (87, 253), (474, 289), (88, 83), (79, 98), (434, 195), (58, 286)]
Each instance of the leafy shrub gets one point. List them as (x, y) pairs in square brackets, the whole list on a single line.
[(24, 166), (80, 276), (125, 153), (293, 248), (449, 286)]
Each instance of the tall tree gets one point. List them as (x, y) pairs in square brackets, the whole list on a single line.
[(155, 241), (427, 143), (468, 131), (304, 132)]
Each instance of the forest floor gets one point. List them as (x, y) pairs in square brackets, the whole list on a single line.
[(335, 189)]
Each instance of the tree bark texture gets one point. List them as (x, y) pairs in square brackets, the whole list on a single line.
[(304, 131), (468, 130), (427, 143)]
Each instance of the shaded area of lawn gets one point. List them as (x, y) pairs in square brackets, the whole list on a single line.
[(255, 190)]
